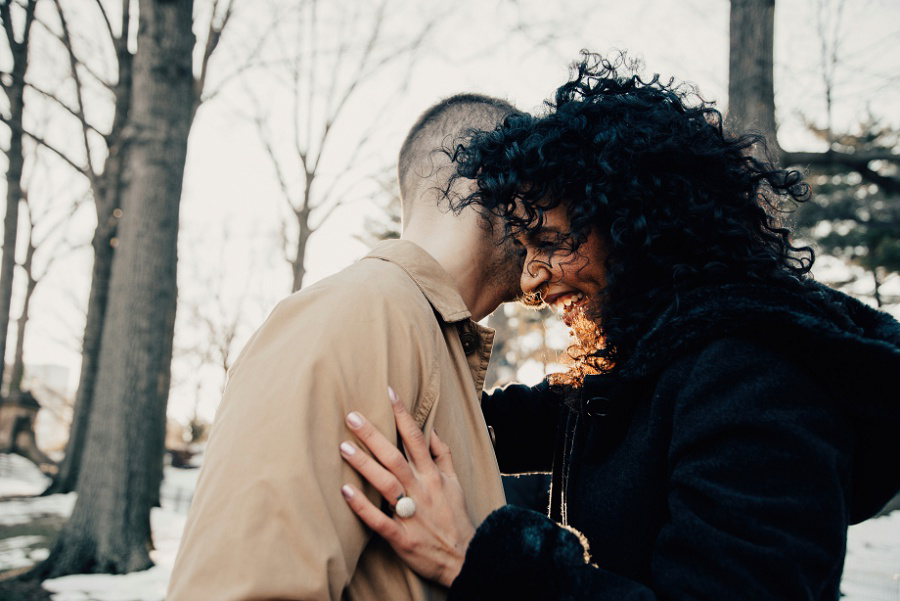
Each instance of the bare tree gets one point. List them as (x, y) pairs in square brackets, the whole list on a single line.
[(121, 472), (13, 85), (219, 318), (751, 102), (33, 276), (751, 88), (107, 184), (851, 218), (335, 51)]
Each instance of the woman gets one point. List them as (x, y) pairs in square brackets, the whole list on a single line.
[(724, 418)]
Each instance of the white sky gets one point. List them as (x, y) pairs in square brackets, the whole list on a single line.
[(231, 205)]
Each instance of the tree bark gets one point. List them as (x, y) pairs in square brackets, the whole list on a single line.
[(298, 263), (751, 96), (18, 369), (121, 468), (849, 161), (66, 478), (14, 89), (877, 292), (751, 91), (107, 190)]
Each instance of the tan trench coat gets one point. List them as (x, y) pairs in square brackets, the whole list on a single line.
[(268, 520)]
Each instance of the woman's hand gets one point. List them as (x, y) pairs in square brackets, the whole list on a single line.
[(434, 539)]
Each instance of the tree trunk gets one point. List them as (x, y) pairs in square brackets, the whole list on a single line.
[(15, 161), (107, 190), (751, 91), (877, 292), (120, 472), (751, 96), (298, 267), (66, 478), (18, 369)]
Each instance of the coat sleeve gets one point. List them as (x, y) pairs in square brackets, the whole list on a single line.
[(268, 520), (524, 420), (756, 502)]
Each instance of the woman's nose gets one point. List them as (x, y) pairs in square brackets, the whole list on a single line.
[(534, 275)]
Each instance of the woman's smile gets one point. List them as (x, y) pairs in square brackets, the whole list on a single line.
[(567, 304), (567, 279)]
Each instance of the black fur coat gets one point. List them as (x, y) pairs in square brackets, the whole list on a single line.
[(723, 460)]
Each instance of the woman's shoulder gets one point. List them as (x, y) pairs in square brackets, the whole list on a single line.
[(807, 320)]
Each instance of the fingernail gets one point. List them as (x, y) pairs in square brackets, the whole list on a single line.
[(392, 395), (354, 419), (347, 448), (346, 491)]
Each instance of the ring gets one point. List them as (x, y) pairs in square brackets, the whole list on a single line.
[(405, 507)]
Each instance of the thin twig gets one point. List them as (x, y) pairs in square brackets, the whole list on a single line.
[(112, 34), (52, 97), (80, 169), (79, 96)]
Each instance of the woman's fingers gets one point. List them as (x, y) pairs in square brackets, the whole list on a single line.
[(383, 481), (410, 434), (382, 449), (441, 454), (371, 515), (433, 537)]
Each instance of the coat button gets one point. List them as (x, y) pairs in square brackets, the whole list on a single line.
[(469, 342), (598, 406), (492, 435)]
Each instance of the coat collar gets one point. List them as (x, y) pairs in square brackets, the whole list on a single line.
[(431, 278)]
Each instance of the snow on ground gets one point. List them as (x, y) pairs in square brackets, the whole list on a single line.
[(167, 523), (872, 565), (17, 552), (872, 571), (149, 585), (27, 509), (19, 476)]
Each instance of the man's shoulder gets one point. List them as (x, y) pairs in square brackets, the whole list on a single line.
[(368, 301), (366, 284), (368, 293)]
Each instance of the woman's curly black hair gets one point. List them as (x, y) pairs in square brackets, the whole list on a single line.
[(677, 201)]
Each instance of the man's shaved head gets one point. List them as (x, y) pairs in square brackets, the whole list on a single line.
[(423, 161)]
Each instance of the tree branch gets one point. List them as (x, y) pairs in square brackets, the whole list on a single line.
[(79, 168), (126, 21), (29, 20), (49, 230), (858, 162), (890, 185), (267, 145), (7, 23), (296, 88), (367, 70), (79, 96), (96, 76), (106, 21), (836, 157), (52, 97), (213, 36)]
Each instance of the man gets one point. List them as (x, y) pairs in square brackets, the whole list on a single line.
[(268, 520)]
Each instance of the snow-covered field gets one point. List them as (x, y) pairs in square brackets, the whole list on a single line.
[(872, 571), (167, 523)]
